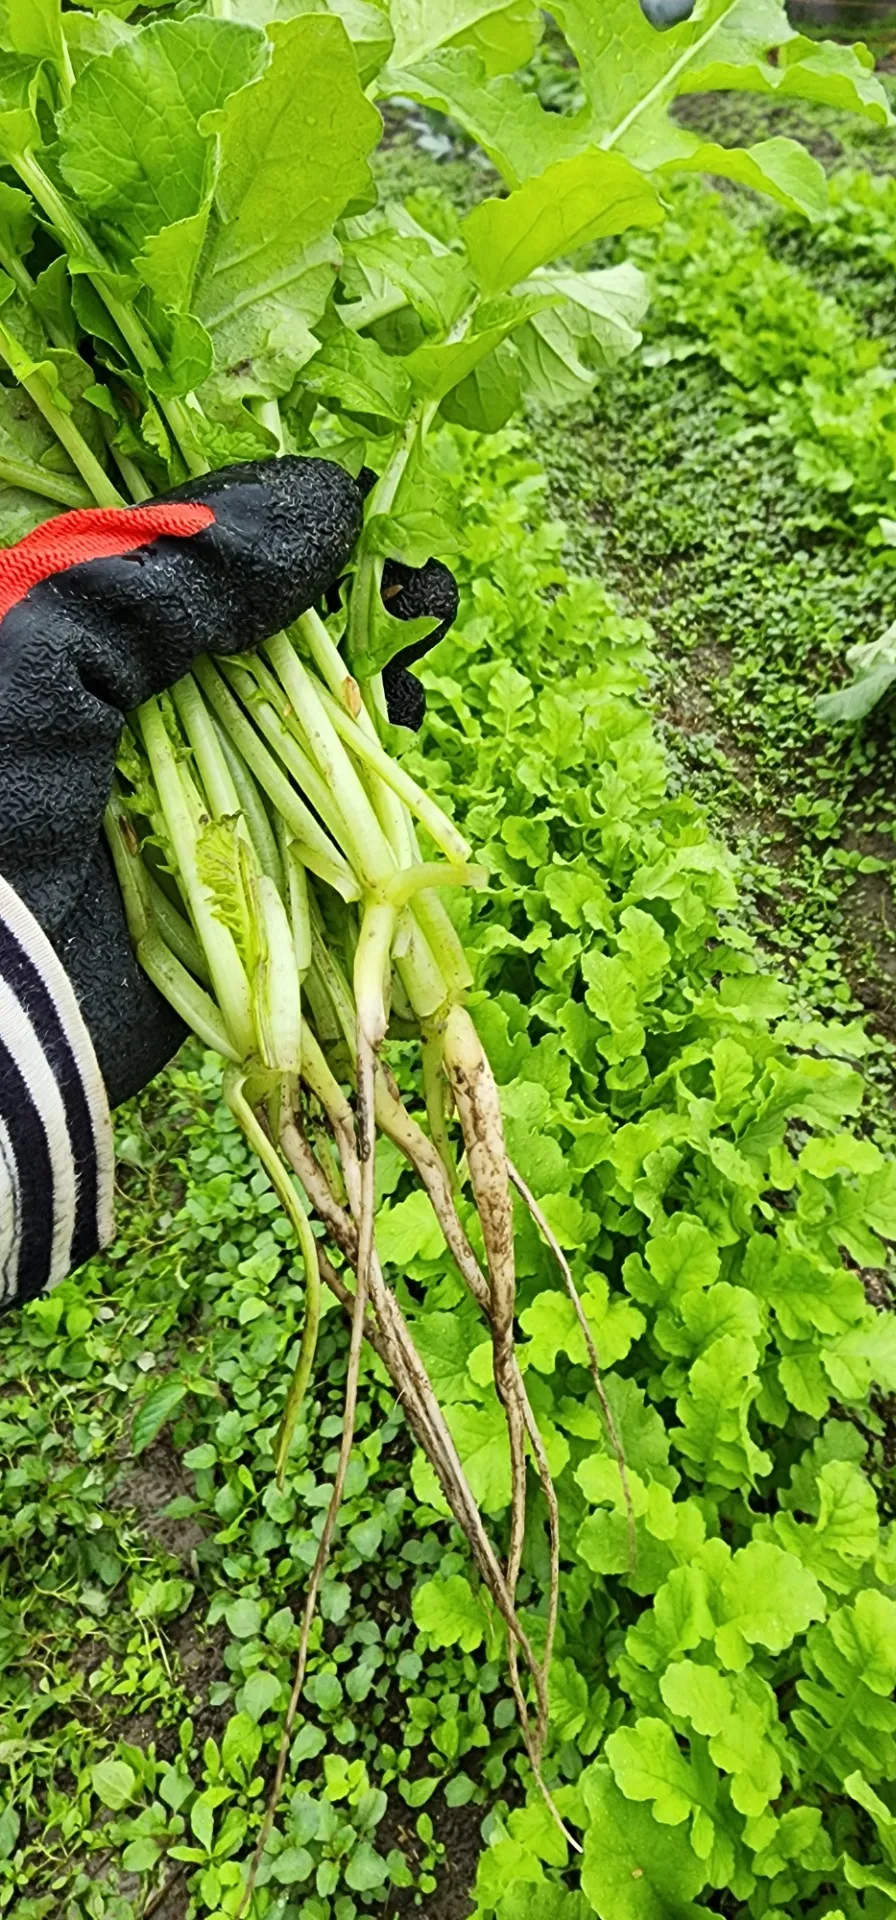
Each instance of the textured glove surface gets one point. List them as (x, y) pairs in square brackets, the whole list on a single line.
[(99, 610)]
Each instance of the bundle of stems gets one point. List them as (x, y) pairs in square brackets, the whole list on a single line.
[(266, 844)]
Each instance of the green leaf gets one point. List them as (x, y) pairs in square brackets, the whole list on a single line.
[(503, 32), (571, 204), (293, 1867), (240, 1746), (366, 1869), (490, 394), (408, 1230), (443, 1341), (260, 1693), (845, 1689), (767, 1599), (271, 257), (9, 1830), (552, 1327), (33, 27), (874, 671), (20, 91), (480, 1436), (243, 1617), (648, 1765), (631, 71), (846, 1531), (131, 144), (364, 379), (114, 1783), (366, 22), (714, 1435), (153, 1412), (633, 1869), (564, 349), (450, 1613), (780, 168)]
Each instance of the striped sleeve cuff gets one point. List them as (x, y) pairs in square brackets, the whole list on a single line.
[(56, 1155)]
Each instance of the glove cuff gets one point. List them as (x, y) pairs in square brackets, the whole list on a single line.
[(56, 1154)]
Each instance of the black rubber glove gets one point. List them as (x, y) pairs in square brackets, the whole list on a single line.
[(99, 610), (408, 593)]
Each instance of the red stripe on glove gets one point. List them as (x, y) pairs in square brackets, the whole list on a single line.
[(92, 533)]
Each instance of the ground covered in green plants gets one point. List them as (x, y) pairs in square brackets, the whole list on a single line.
[(677, 1033)]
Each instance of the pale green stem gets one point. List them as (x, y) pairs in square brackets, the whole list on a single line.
[(61, 423), (402, 886), (177, 933), (366, 747), (265, 701), (317, 849), (180, 804), (33, 478), (374, 862), (234, 1094), (297, 894), (162, 966), (253, 808), (197, 723), (267, 412)]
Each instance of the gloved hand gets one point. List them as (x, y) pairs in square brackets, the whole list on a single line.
[(98, 610)]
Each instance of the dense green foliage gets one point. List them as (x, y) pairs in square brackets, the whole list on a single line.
[(717, 519), (686, 1139), (722, 1727)]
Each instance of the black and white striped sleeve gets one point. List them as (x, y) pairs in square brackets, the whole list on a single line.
[(56, 1156)]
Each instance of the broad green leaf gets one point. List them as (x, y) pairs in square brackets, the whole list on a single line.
[(571, 204), (169, 259), (846, 1709), (767, 1598), (564, 348), (160, 1403), (33, 27), (631, 71), (490, 394), (507, 120), (552, 1327), (114, 1783), (438, 366), (682, 1255), (26, 440), (443, 1341), (20, 90), (503, 32), (634, 1869), (778, 167), (736, 1714), (409, 1230), (271, 256), (366, 23), (132, 149), (241, 1746), (874, 671), (354, 371), (714, 1411), (450, 1613), (846, 1530), (480, 1436), (648, 1764), (391, 262)]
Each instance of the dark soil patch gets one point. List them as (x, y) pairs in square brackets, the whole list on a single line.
[(457, 1829), (150, 1482)]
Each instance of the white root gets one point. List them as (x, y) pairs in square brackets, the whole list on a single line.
[(479, 1112)]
